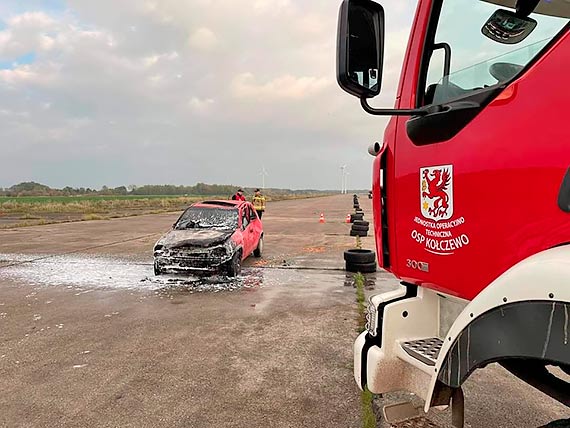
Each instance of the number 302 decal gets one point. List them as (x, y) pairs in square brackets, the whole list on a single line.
[(414, 264)]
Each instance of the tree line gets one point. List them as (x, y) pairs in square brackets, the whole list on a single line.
[(32, 188)]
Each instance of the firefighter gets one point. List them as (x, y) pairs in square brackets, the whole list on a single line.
[(258, 202), (239, 196)]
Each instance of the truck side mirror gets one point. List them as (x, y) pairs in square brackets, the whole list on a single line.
[(360, 47)]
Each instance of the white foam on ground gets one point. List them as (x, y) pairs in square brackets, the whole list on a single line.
[(87, 273)]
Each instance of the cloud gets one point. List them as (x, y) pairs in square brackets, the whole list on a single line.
[(285, 87), (167, 91), (200, 105), (203, 39)]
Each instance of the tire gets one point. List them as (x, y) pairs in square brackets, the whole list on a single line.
[(357, 217), (259, 250), (361, 267), (233, 268), (361, 223), (359, 227), (358, 233), (157, 270), (357, 255)]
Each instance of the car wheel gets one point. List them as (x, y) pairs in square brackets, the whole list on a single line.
[(361, 267), (157, 270), (259, 250), (234, 265), (357, 255)]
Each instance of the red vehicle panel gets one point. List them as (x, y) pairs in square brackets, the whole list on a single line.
[(502, 213)]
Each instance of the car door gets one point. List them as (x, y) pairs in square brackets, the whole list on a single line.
[(256, 226), (247, 231)]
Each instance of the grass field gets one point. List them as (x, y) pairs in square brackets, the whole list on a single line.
[(72, 199), (36, 210)]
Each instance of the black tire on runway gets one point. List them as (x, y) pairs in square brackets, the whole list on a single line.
[(357, 255), (361, 267), (157, 270), (359, 227), (358, 233), (361, 222), (356, 217)]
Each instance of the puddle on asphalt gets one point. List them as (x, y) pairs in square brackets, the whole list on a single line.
[(88, 272)]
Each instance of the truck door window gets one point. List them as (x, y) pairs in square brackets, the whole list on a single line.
[(476, 60)]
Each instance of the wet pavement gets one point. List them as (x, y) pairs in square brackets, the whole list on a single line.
[(90, 337)]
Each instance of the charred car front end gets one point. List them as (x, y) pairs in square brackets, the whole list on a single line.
[(202, 241), (206, 253)]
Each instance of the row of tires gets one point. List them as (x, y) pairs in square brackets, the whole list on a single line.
[(357, 259)]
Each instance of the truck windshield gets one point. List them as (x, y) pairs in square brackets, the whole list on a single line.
[(477, 61)]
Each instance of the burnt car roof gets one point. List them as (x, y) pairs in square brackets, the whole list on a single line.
[(223, 204)]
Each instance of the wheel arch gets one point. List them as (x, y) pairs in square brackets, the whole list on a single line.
[(521, 316)]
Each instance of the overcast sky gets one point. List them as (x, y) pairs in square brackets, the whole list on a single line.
[(119, 92)]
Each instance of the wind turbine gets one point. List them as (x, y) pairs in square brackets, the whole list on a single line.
[(263, 174), (342, 175)]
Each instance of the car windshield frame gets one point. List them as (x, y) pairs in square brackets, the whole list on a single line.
[(208, 218)]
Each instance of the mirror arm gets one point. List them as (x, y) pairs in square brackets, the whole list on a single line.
[(390, 112)]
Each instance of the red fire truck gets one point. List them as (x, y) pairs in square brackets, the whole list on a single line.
[(471, 195)]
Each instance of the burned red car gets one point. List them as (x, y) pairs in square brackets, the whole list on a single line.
[(210, 237)]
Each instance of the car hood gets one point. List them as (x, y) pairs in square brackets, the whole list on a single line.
[(194, 238)]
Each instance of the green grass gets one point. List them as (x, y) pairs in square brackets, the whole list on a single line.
[(368, 417), (94, 198), (360, 301)]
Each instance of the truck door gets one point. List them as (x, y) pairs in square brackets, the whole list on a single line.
[(477, 179)]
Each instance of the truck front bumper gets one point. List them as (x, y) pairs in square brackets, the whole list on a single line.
[(380, 364)]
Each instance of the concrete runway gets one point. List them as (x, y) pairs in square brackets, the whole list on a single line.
[(90, 338)]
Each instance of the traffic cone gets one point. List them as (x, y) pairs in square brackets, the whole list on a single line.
[(347, 218), (322, 218)]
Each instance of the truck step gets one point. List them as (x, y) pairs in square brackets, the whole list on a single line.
[(425, 350)]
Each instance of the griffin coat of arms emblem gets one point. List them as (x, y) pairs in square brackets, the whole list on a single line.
[(436, 192)]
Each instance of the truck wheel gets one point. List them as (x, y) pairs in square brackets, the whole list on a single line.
[(157, 270), (357, 255), (259, 250), (361, 267), (233, 267)]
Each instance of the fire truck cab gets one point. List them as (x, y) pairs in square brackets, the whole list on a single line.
[(471, 195)]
